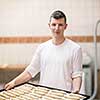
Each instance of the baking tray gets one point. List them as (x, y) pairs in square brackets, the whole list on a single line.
[(36, 85), (87, 97)]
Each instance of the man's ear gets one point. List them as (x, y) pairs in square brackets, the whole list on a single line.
[(49, 24), (66, 26)]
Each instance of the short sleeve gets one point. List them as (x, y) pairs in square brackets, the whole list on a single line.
[(77, 63), (34, 67)]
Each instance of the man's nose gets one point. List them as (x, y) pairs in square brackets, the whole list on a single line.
[(57, 27)]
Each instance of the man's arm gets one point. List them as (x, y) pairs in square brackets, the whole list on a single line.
[(23, 77), (77, 81)]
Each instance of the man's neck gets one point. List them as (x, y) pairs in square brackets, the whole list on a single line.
[(58, 41)]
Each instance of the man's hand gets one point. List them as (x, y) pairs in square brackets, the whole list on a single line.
[(75, 91), (10, 85), (23, 77)]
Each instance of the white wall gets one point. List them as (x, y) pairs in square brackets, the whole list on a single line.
[(23, 53), (30, 17), (16, 53)]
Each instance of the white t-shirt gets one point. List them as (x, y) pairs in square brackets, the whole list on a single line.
[(57, 64)]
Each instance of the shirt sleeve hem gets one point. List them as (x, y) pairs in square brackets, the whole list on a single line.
[(77, 74)]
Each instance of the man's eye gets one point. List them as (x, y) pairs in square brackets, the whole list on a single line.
[(57, 24), (60, 24), (53, 24)]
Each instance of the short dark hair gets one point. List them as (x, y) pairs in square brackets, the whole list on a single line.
[(57, 15)]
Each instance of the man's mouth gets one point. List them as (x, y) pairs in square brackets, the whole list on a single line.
[(57, 32)]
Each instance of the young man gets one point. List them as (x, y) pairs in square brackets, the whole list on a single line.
[(58, 60)]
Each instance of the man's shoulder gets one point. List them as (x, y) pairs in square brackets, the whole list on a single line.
[(44, 44), (73, 44)]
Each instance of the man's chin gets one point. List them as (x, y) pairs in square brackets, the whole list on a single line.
[(56, 36)]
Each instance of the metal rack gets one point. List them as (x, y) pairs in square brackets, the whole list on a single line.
[(95, 62)]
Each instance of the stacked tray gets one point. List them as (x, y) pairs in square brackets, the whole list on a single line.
[(29, 91)]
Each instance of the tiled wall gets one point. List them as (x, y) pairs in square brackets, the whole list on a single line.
[(20, 50), (22, 20), (40, 39), (30, 17)]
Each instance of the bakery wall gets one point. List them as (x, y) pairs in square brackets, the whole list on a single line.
[(29, 18), (20, 50)]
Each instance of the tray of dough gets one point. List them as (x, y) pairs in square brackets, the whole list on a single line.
[(30, 91)]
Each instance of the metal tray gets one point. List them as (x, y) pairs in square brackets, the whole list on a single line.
[(87, 97), (36, 85)]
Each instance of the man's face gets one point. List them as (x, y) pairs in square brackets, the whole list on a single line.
[(57, 27)]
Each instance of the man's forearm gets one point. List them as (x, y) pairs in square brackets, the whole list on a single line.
[(77, 84), (23, 77)]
